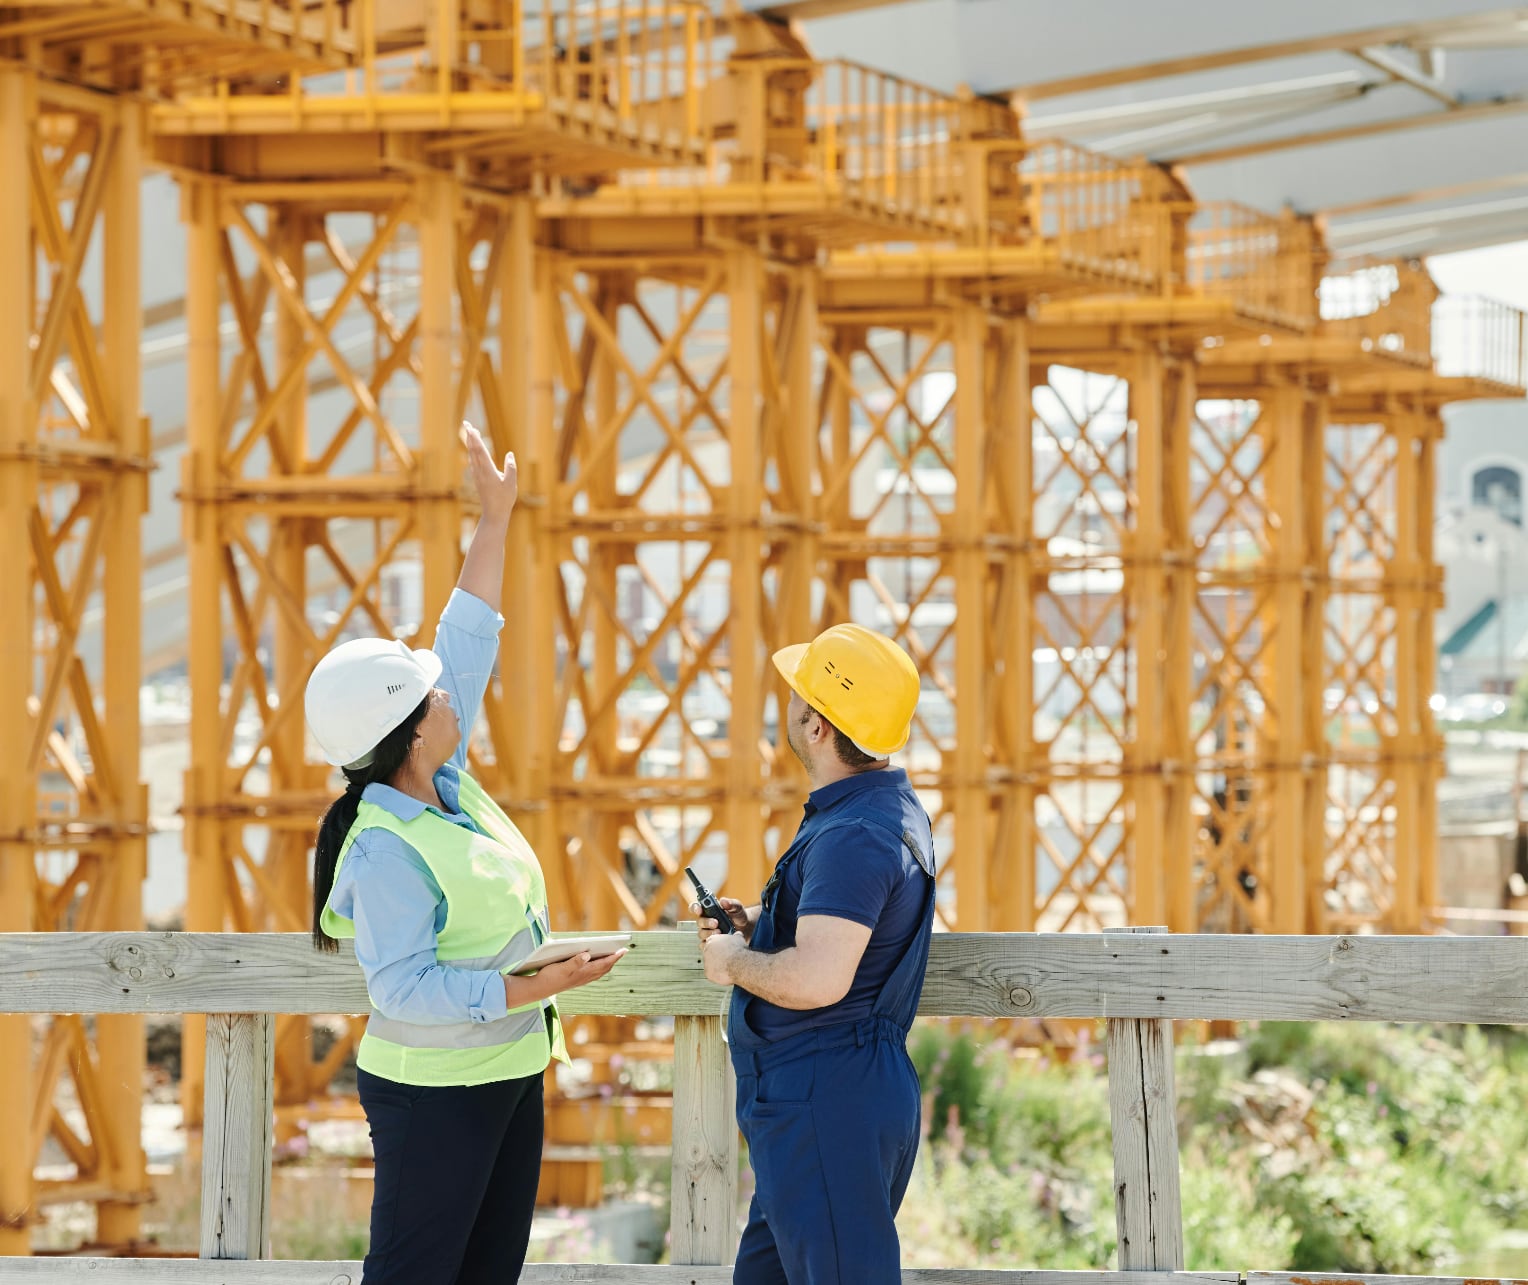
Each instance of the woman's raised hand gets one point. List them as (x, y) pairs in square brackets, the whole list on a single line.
[(497, 489)]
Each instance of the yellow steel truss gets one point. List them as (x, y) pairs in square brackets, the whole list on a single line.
[(73, 465), (321, 456)]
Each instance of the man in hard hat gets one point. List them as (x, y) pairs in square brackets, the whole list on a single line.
[(828, 968)]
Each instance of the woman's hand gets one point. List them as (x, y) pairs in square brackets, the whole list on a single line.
[(497, 490), (578, 971), (521, 989), (736, 911)]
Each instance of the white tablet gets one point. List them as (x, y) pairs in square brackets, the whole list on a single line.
[(558, 949)]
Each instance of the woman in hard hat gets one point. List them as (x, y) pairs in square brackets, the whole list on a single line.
[(443, 897), (826, 972)]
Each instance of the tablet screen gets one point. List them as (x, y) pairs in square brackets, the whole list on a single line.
[(560, 948)]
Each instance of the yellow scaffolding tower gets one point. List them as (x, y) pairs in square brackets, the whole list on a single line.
[(73, 466)]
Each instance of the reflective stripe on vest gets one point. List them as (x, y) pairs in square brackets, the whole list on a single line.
[(514, 1025), (491, 882)]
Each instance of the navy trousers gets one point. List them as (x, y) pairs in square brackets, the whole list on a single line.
[(832, 1137), (456, 1175)]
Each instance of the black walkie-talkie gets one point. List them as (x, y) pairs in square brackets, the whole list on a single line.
[(710, 907)]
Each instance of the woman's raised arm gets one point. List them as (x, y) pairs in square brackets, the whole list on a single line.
[(483, 568)]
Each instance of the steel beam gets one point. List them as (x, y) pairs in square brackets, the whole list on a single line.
[(1370, 129), (120, 1048), (18, 785), (1010, 519), (1488, 25), (745, 558), (973, 644), (206, 870), (1284, 440), (1413, 76), (73, 455), (1145, 756)]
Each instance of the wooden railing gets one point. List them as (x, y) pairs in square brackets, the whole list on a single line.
[(1139, 980)]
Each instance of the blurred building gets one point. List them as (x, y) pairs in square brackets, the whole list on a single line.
[(1482, 545)]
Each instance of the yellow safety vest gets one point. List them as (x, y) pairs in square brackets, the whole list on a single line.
[(496, 914)]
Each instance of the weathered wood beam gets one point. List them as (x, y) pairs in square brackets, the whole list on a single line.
[(1273, 978)]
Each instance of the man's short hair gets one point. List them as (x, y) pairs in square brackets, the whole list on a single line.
[(850, 754)]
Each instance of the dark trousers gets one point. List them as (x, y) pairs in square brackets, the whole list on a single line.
[(832, 1138), (456, 1174)]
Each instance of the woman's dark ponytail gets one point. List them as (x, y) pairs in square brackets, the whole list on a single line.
[(387, 759)]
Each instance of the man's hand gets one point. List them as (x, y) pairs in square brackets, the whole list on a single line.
[(736, 911), (497, 491), (717, 951)]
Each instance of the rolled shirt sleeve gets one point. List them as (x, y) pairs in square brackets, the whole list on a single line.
[(397, 908)]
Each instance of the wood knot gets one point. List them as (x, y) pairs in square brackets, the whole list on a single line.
[(127, 958)]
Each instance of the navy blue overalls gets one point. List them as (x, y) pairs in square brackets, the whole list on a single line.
[(831, 1116)]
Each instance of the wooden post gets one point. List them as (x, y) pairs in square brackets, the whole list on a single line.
[(236, 1135), (1142, 1105), (704, 1205)]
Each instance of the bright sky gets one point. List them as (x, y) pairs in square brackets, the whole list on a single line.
[(1498, 272)]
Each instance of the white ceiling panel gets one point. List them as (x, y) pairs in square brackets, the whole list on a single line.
[(1273, 105)]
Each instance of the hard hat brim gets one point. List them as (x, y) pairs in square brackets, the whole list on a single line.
[(432, 664), (788, 661)]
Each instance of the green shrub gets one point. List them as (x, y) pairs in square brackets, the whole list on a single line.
[(1308, 1147)]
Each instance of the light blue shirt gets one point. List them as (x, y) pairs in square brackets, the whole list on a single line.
[(384, 886)]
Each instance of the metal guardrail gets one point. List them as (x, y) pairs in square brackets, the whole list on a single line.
[(1396, 309), (831, 141), (249, 38), (1259, 261), (634, 68), (1138, 980), (889, 142), (1387, 307), (1114, 217), (1480, 339)]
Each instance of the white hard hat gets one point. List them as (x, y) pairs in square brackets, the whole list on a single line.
[(362, 690)]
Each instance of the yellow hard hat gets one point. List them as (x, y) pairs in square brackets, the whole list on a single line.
[(860, 681)]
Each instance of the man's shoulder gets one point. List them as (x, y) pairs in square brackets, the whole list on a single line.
[(882, 828), (884, 839)]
